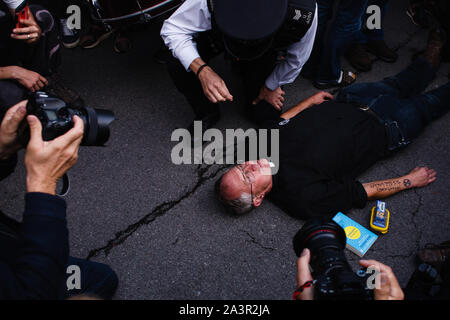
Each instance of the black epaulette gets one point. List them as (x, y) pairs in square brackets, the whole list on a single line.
[(299, 18)]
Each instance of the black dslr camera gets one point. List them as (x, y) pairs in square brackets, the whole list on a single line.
[(57, 118), (334, 277)]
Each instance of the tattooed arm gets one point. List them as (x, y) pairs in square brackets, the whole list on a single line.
[(419, 177)]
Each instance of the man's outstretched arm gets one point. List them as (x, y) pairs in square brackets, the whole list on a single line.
[(418, 177), (317, 98)]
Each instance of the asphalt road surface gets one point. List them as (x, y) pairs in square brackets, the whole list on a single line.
[(158, 224)]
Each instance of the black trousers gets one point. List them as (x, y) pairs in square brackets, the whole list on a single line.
[(253, 73)]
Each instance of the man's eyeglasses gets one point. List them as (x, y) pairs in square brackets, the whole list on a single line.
[(249, 178)]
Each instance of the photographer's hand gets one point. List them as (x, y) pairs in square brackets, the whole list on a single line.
[(304, 275), (8, 130), (48, 161), (389, 287)]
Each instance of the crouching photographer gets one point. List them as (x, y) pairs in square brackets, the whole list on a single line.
[(320, 244), (34, 254)]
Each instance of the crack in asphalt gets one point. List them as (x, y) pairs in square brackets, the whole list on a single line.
[(414, 216), (164, 207), (255, 241), (158, 211)]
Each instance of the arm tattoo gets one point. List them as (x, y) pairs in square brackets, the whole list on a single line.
[(387, 186), (407, 183)]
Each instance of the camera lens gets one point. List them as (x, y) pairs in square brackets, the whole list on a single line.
[(96, 125), (320, 235), (335, 279)]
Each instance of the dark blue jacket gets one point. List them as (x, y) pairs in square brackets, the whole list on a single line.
[(33, 254)]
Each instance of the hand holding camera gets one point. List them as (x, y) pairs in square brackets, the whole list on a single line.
[(390, 288), (9, 141), (320, 243), (48, 161), (52, 133)]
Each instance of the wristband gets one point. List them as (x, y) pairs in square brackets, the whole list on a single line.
[(300, 289), (201, 68)]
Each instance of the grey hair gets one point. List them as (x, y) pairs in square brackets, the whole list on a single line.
[(239, 206)]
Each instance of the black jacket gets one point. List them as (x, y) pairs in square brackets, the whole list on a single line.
[(33, 254), (322, 152)]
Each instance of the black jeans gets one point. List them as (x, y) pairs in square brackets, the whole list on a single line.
[(254, 74), (324, 65), (399, 103)]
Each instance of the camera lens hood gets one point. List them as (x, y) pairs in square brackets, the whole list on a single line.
[(321, 230)]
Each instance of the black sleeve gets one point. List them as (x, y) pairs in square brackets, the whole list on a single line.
[(7, 166), (331, 196), (38, 272)]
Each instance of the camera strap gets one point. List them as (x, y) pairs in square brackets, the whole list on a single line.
[(66, 185)]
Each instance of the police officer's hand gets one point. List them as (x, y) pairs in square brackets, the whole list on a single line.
[(275, 97), (9, 143), (213, 86), (48, 161)]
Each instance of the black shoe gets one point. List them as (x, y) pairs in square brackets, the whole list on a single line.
[(70, 38), (382, 51), (419, 15), (122, 42), (436, 40), (359, 58), (348, 78)]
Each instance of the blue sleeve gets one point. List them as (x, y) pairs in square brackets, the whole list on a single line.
[(39, 271)]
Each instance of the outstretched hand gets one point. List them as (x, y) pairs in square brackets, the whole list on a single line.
[(420, 177), (320, 97)]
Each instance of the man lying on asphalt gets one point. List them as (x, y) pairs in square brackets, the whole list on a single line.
[(326, 145)]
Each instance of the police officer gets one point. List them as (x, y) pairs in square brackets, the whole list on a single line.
[(268, 41)]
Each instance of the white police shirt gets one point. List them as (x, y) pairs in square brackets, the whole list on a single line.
[(193, 16), (13, 4)]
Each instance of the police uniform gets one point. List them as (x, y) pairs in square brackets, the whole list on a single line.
[(268, 41)]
